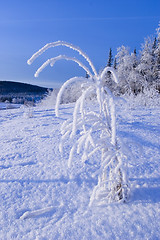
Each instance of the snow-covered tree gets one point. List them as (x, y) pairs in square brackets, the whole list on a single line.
[(72, 93), (110, 58), (135, 78), (134, 58), (108, 77), (115, 63), (145, 66), (124, 68), (95, 127), (129, 71), (157, 60)]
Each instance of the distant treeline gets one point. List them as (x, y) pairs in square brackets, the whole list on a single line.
[(22, 93), (136, 72)]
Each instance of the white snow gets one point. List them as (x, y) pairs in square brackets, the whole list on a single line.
[(9, 105), (41, 198)]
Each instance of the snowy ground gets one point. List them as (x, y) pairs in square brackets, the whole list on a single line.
[(8, 106), (40, 198)]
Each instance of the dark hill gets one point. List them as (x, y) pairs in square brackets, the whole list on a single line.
[(7, 87), (23, 93)]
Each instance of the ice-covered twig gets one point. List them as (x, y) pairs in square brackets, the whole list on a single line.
[(32, 214), (109, 69), (64, 86), (62, 43), (52, 61)]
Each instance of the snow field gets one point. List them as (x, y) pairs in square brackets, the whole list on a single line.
[(42, 199)]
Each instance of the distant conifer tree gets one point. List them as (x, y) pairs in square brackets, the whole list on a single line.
[(135, 61), (109, 64), (87, 76), (154, 55), (115, 63), (110, 58), (154, 44)]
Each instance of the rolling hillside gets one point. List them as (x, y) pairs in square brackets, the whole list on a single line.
[(7, 87), (16, 92)]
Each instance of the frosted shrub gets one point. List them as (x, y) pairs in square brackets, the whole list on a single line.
[(28, 112), (149, 98), (50, 99), (72, 93), (97, 127)]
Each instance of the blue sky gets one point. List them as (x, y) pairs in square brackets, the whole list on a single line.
[(93, 25)]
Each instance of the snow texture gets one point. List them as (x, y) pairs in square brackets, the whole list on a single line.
[(40, 198)]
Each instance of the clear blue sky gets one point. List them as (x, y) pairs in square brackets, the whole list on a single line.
[(93, 25)]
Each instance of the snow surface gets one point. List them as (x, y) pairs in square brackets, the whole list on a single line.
[(40, 198), (9, 105)]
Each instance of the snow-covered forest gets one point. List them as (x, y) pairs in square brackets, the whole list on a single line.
[(137, 72)]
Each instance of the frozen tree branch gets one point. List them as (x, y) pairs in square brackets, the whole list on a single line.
[(62, 43), (52, 61), (93, 131)]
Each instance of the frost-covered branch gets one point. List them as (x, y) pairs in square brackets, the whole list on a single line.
[(52, 61), (62, 43), (64, 86), (109, 69), (92, 129)]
